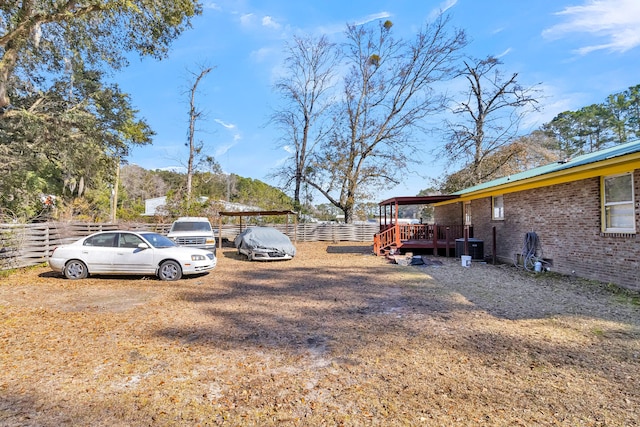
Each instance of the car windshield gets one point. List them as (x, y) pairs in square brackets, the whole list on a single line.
[(158, 241), (191, 226)]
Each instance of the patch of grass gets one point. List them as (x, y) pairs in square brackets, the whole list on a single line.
[(12, 271), (624, 294)]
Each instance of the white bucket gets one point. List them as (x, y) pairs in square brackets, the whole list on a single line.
[(466, 260), (537, 267)]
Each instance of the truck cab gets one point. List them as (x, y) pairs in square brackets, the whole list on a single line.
[(195, 232)]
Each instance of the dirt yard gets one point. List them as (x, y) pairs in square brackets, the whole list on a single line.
[(335, 337)]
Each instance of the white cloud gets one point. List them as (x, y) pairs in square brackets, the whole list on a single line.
[(337, 28), (247, 19), (372, 17), (223, 149), (503, 54), (448, 4), (556, 99), (268, 22), (212, 5), (442, 8), (225, 125), (617, 22), (236, 137), (261, 54)]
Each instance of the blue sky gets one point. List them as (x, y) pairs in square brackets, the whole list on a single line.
[(579, 51)]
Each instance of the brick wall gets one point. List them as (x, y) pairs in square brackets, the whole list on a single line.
[(450, 214), (566, 218)]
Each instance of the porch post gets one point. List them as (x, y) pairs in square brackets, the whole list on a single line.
[(465, 250), (435, 238), (447, 241), (397, 226)]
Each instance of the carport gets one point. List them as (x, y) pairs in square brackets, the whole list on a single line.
[(286, 213)]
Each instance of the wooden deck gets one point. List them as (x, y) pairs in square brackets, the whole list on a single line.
[(439, 239), (443, 247)]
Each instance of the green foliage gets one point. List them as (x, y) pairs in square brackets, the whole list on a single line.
[(38, 38), (63, 129), (256, 193), (65, 141), (597, 126), (209, 189)]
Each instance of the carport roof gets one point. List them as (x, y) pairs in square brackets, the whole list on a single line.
[(417, 200), (257, 213)]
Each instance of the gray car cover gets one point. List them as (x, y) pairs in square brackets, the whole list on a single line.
[(265, 238)]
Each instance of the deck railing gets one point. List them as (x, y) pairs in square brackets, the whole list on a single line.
[(436, 235), (385, 239)]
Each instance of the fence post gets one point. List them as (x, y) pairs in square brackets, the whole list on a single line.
[(47, 240)]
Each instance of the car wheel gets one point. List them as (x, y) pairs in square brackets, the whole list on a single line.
[(169, 271), (75, 269)]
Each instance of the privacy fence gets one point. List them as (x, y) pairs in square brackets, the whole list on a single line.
[(24, 245)]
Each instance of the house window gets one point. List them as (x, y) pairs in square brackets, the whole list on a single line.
[(618, 204), (497, 204)]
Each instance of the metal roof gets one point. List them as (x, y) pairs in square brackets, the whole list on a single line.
[(417, 200), (257, 213), (585, 159)]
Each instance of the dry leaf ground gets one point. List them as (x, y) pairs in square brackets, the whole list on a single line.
[(334, 337)]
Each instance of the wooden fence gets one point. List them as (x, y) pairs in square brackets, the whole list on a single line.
[(24, 245)]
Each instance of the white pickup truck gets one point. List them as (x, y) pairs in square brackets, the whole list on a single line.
[(195, 232)]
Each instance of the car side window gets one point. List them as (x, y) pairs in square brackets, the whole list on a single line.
[(129, 240), (106, 240)]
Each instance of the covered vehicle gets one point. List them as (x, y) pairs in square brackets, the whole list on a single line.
[(264, 244), (128, 252)]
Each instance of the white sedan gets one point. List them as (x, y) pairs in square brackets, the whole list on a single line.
[(128, 252)]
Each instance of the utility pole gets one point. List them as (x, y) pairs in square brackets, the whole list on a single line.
[(114, 192)]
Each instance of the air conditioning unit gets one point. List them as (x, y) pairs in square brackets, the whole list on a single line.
[(475, 248)]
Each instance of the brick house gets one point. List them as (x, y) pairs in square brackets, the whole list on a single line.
[(584, 212)]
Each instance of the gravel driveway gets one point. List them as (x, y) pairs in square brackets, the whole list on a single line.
[(335, 336)]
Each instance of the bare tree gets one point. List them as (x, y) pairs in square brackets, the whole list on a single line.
[(194, 115), (305, 88), (491, 115), (524, 153), (388, 91)]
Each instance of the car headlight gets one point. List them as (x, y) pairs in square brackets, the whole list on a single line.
[(198, 258)]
